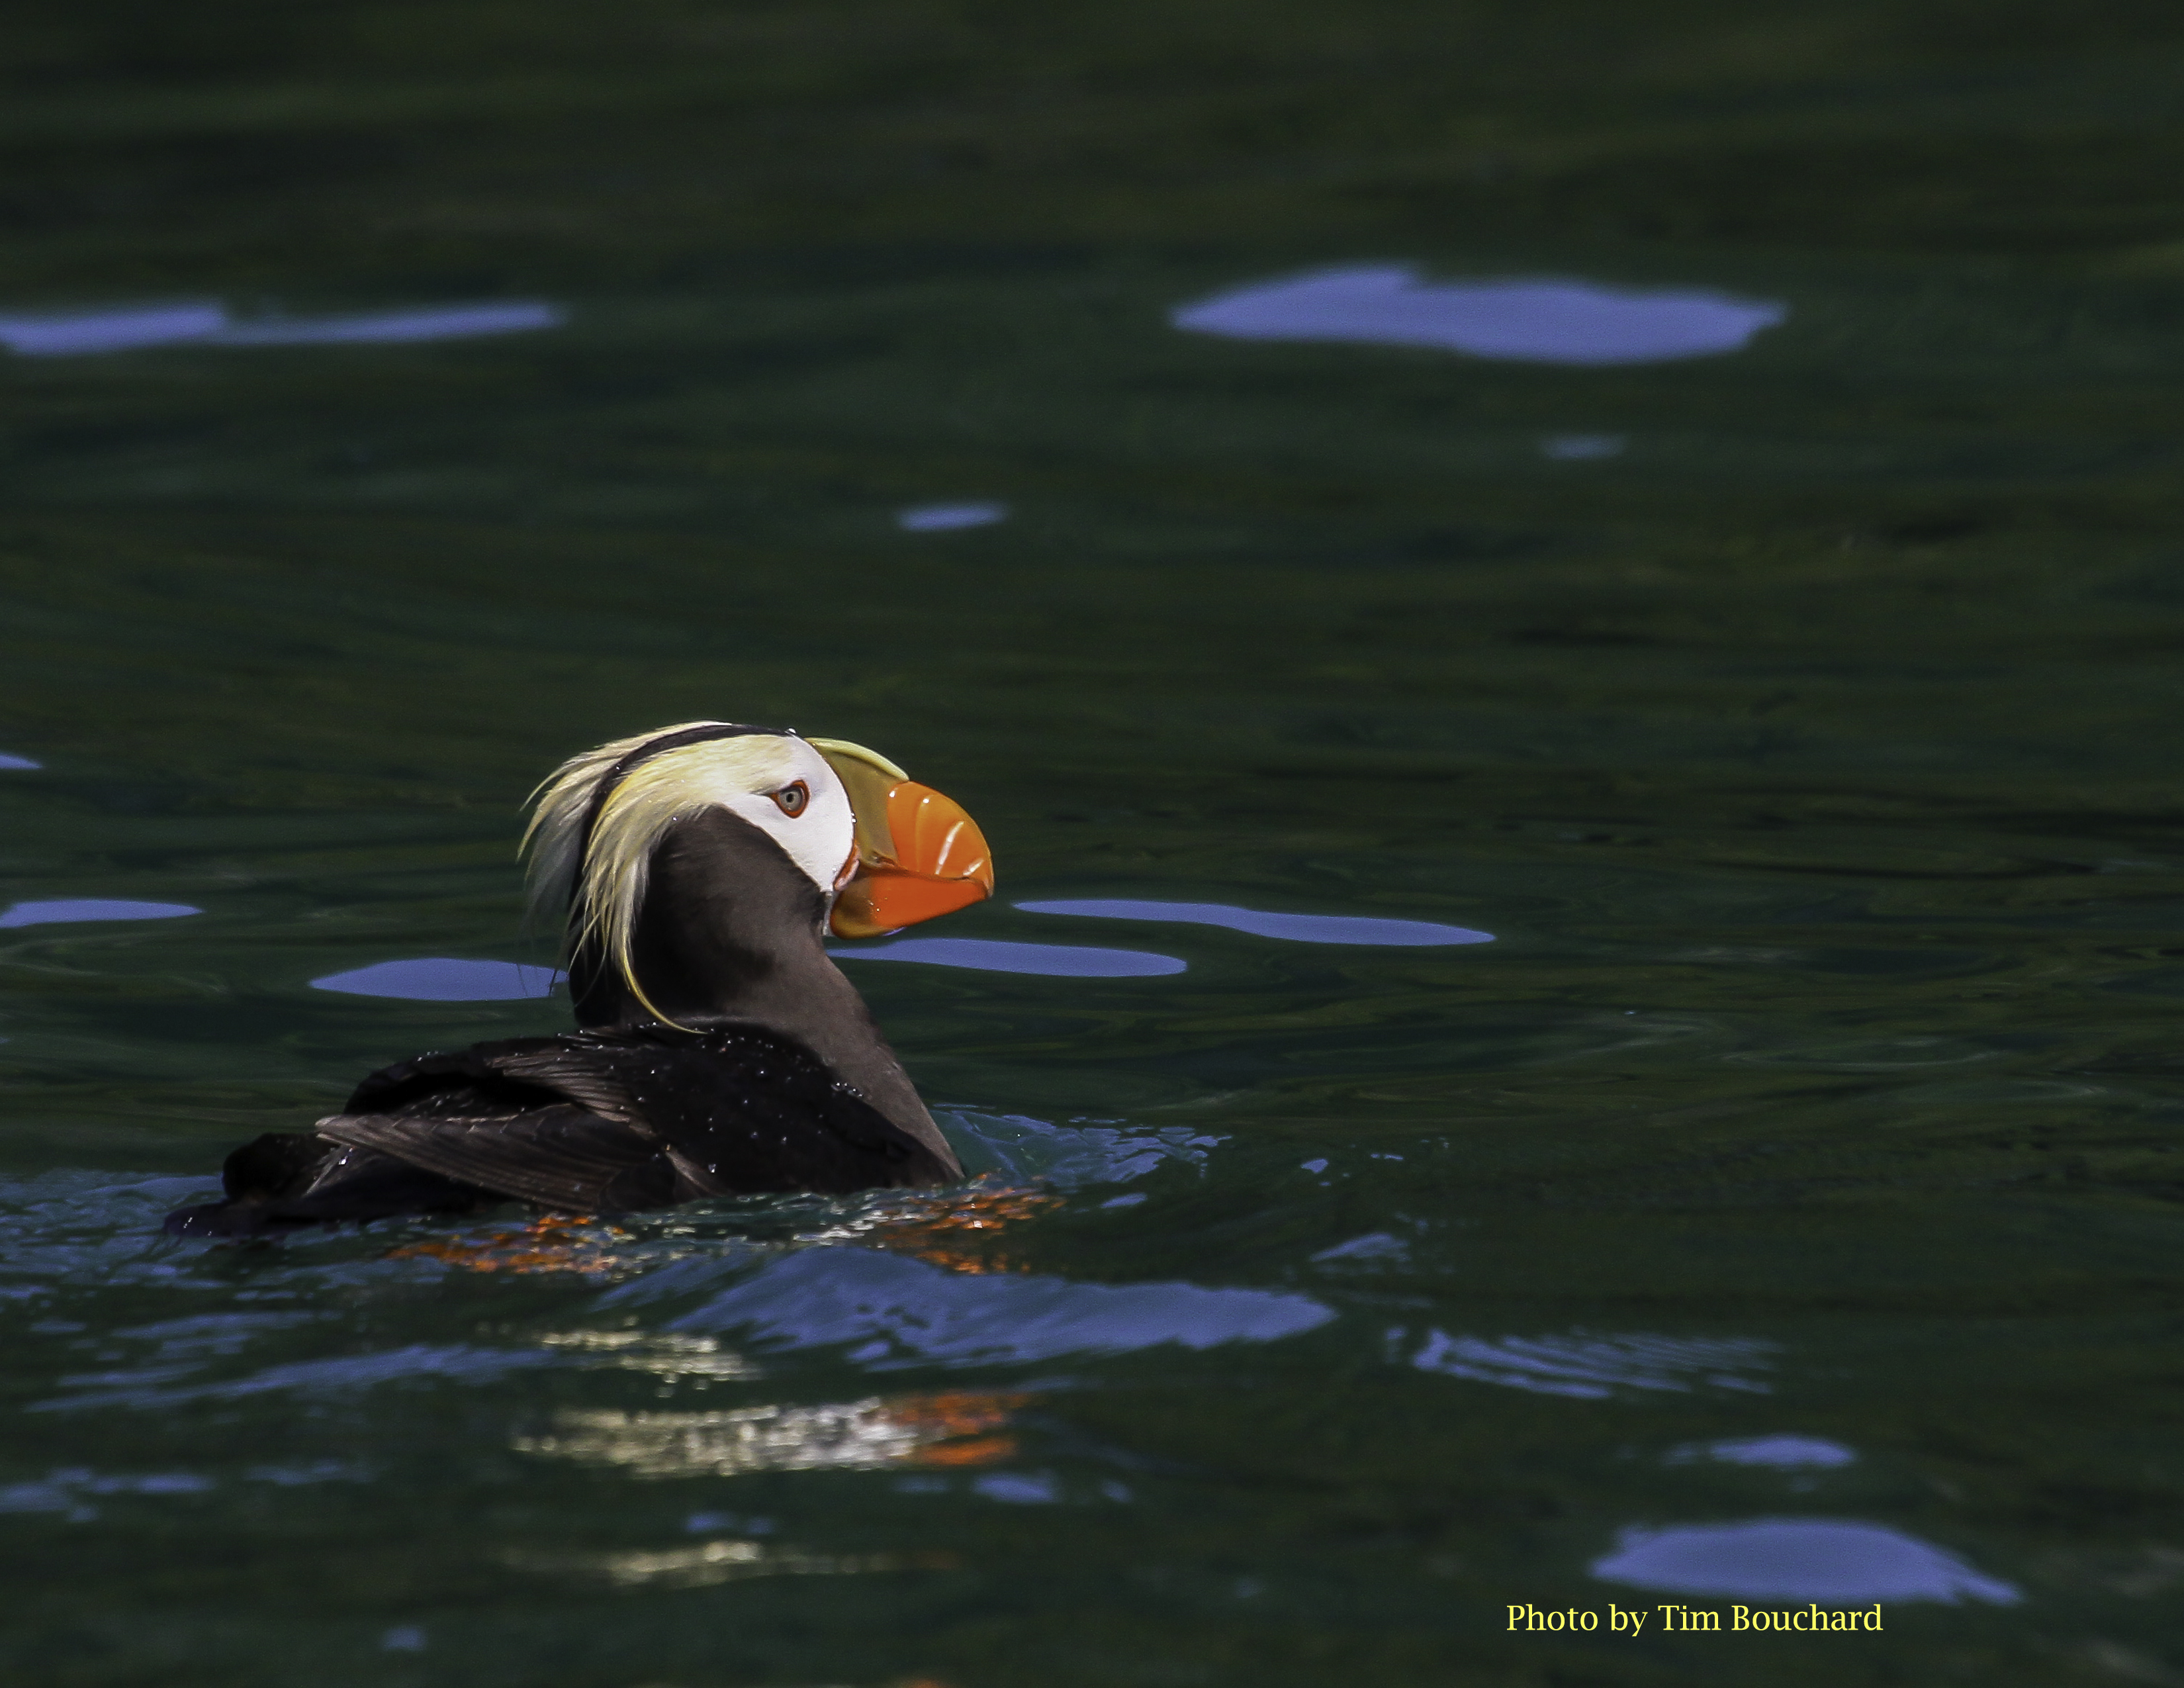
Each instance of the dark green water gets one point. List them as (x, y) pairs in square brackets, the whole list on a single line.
[(1795, 1179)]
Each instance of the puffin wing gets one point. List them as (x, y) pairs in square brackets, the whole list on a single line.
[(558, 1156), (546, 1120)]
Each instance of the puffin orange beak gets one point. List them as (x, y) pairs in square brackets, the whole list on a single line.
[(925, 858)]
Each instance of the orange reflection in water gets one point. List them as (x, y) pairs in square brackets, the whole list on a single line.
[(961, 1231), (958, 1427), (554, 1242), (964, 1232)]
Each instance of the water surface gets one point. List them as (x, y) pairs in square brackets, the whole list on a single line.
[(1719, 540)]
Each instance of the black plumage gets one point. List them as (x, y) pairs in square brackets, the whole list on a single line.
[(587, 1122)]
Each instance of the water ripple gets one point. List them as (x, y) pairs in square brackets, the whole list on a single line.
[(1298, 928), (1549, 320), (1070, 1157), (65, 909), (1815, 1559), (444, 978), (997, 955), (1781, 1453), (206, 322), (947, 518), (459, 1361), (1591, 1367), (902, 1311)]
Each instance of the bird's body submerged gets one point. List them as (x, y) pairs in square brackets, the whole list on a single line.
[(720, 1050)]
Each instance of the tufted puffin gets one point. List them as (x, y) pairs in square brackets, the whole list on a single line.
[(718, 1052)]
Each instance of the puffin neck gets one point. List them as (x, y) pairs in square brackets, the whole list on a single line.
[(727, 921), (729, 933)]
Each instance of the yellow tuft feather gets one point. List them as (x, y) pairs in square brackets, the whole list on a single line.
[(601, 880)]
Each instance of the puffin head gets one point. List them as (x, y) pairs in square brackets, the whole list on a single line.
[(878, 850)]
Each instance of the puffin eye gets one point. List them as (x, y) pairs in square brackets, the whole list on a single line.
[(792, 798)]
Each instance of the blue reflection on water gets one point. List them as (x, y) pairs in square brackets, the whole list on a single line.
[(400, 328), (62, 334), (941, 518), (310, 1472), (1372, 1246), (1069, 1156), (67, 909), (1545, 320), (12, 761), (1816, 1559), (1783, 1453), (1587, 1367), (341, 1374), (1582, 448), (62, 1491), (1018, 1488), (994, 955), (902, 1311), (1300, 928), (443, 978), (202, 322)]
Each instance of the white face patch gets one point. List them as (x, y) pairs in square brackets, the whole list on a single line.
[(821, 836)]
